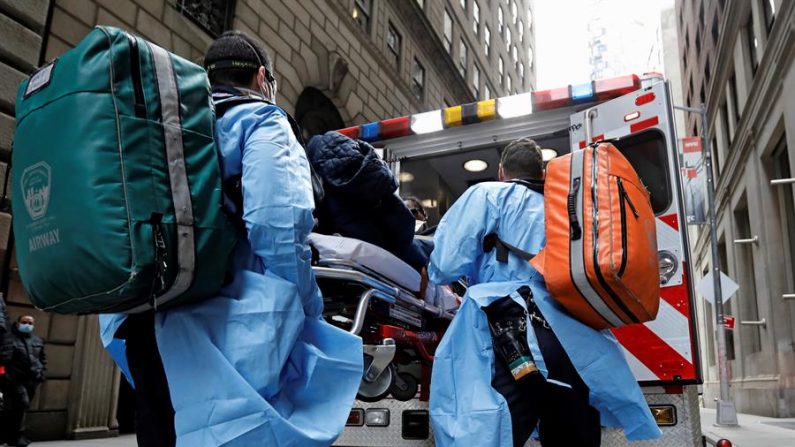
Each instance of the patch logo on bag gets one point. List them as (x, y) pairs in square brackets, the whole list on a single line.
[(36, 189), (40, 79)]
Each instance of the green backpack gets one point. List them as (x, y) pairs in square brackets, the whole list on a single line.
[(116, 180)]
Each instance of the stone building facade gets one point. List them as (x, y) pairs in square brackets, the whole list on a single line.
[(738, 58), (337, 62)]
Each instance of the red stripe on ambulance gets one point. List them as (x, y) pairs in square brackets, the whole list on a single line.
[(645, 124), (654, 353)]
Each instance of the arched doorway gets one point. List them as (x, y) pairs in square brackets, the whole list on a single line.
[(316, 114)]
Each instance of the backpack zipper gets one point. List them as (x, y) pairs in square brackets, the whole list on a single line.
[(575, 231), (135, 72), (622, 208)]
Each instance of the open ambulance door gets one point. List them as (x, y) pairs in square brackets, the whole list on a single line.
[(640, 125)]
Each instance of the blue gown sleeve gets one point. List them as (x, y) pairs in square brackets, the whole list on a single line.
[(278, 203), (458, 242)]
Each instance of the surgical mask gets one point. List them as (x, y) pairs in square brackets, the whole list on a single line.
[(418, 225), (25, 328)]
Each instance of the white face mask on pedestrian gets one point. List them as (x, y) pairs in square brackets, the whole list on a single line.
[(25, 328)]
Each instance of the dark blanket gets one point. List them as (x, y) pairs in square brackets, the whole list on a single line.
[(360, 200)]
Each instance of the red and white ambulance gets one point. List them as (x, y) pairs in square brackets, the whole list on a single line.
[(438, 154)]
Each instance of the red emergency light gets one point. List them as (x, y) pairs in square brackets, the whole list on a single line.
[(599, 90)]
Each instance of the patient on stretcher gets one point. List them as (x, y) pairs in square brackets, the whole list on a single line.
[(360, 200), (371, 257)]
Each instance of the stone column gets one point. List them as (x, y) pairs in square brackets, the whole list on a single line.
[(94, 390)]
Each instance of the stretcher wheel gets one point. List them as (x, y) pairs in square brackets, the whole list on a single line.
[(405, 387), (379, 388)]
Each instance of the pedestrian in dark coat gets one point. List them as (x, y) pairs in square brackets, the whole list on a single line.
[(360, 200), (24, 372)]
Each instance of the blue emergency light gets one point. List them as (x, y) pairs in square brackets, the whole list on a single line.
[(582, 92)]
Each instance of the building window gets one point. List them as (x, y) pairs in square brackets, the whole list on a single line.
[(514, 11), (421, 3), (786, 206), (701, 16), (501, 69), (464, 4), (500, 20), (707, 71), (770, 13), (521, 32), (744, 258), (727, 305), (507, 37), (361, 13), (475, 17), (462, 58), (753, 43), (486, 92), (715, 30), (734, 99), (393, 43), (515, 54), (698, 43), (448, 32), (529, 57), (486, 39), (702, 95), (521, 72), (508, 84), (418, 80), (529, 18), (724, 116), (213, 16), (476, 81)]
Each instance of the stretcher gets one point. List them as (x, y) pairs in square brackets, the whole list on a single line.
[(370, 292)]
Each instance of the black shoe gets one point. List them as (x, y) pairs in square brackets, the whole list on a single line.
[(21, 442)]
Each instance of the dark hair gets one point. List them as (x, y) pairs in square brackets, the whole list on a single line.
[(234, 59), (522, 158), (415, 206)]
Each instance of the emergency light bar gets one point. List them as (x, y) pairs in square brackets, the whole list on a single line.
[(505, 107)]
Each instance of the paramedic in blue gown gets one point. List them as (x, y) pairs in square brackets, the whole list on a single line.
[(582, 380), (255, 365)]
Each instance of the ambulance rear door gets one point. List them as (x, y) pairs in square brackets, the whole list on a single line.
[(663, 351)]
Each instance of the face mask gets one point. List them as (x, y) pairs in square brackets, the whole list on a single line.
[(25, 328), (418, 225)]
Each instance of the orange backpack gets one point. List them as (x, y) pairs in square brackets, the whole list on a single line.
[(600, 261)]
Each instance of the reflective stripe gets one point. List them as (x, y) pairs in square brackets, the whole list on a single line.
[(559, 383), (177, 173), (577, 256)]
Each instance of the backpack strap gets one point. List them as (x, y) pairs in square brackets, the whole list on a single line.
[(492, 242)]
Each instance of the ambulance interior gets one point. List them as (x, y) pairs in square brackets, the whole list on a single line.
[(438, 180)]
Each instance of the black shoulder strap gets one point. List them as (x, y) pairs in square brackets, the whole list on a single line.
[(491, 242)]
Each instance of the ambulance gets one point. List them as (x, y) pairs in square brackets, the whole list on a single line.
[(437, 155)]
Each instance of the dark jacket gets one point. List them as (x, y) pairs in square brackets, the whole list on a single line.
[(360, 200), (6, 339), (28, 362)]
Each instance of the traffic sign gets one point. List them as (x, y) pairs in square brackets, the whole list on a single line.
[(727, 287)]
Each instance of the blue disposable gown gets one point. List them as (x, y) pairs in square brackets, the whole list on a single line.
[(257, 365), (465, 409)]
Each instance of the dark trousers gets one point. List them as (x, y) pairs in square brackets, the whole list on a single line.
[(16, 401), (563, 415), (154, 414)]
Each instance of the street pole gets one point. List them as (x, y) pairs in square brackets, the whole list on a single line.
[(726, 414)]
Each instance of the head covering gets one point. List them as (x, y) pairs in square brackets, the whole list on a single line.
[(236, 51)]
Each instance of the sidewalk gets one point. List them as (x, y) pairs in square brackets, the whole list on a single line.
[(121, 441), (753, 431)]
